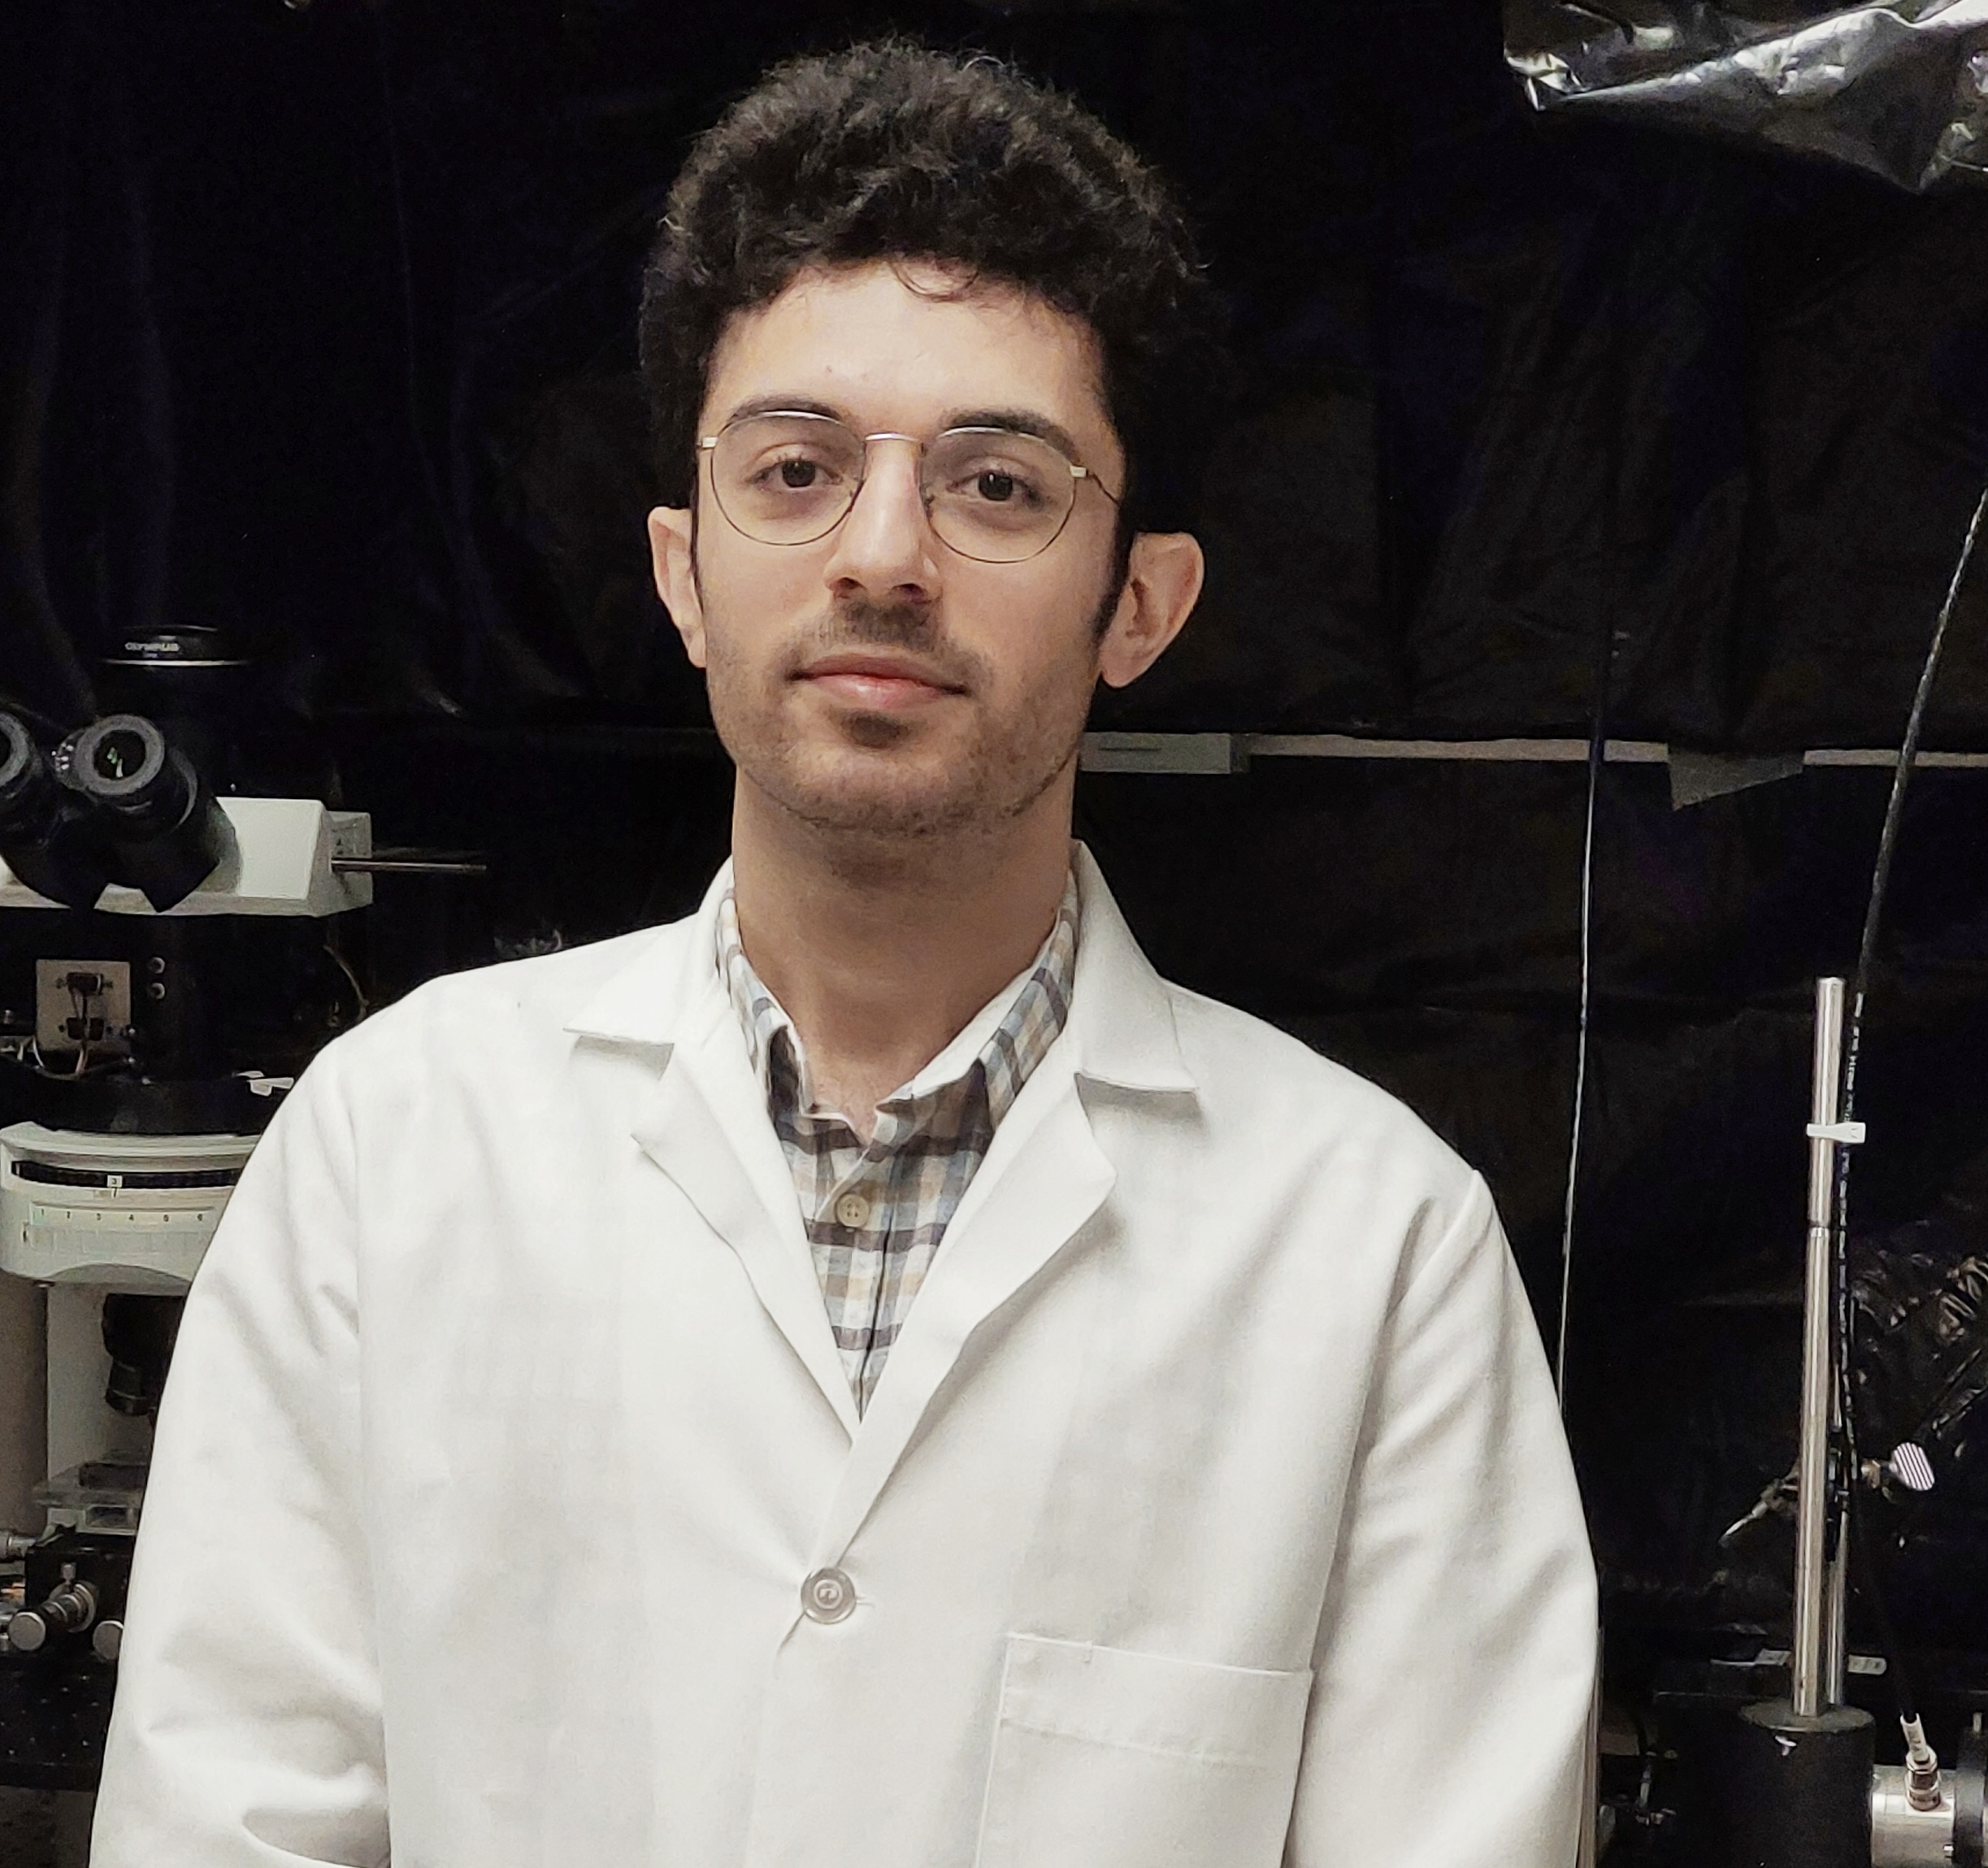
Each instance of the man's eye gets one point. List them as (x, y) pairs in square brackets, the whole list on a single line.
[(798, 475), (999, 486)]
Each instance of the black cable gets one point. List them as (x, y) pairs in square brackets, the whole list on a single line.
[(1853, 1037), (1881, 877), (1864, 1555)]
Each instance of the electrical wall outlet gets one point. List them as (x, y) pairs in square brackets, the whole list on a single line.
[(81, 1003)]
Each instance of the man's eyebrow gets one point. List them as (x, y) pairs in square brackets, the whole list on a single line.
[(1019, 421), (782, 406), (1022, 422)]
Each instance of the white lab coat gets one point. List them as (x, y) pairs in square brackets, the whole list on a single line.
[(1212, 1512)]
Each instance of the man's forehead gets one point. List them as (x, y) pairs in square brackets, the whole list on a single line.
[(905, 335)]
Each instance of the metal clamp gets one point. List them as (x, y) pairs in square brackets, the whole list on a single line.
[(1844, 1134)]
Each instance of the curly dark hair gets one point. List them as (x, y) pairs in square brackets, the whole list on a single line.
[(890, 150)]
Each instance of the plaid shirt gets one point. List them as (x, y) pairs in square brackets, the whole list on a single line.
[(875, 1215)]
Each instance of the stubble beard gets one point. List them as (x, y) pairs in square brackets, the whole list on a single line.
[(853, 791)]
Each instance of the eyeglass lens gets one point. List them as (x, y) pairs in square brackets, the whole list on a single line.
[(992, 493)]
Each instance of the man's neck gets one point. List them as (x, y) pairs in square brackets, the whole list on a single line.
[(881, 952)]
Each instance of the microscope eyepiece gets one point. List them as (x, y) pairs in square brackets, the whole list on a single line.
[(166, 832), (30, 793), (19, 755), (123, 762), (46, 836)]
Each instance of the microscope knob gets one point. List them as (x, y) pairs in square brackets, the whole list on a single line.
[(107, 1638), (70, 1608), (71, 1605)]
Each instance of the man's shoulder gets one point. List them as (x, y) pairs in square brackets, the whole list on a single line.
[(1260, 1083), (510, 1011)]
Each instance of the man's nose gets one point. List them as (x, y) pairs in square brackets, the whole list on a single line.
[(885, 549)]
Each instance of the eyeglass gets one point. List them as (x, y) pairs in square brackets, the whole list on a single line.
[(995, 495)]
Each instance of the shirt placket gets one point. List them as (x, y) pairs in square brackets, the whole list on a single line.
[(865, 1208), (874, 1213)]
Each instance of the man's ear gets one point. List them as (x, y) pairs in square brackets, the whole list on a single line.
[(1163, 577), (671, 532)]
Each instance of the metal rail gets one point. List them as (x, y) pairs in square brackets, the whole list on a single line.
[(392, 863), (1218, 752)]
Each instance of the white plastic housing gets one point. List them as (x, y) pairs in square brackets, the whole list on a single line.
[(281, 864), (110, 1236)]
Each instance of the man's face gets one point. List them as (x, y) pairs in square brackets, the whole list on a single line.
[(876, 681)]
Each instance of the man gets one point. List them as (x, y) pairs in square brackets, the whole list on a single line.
[(869, 1374)]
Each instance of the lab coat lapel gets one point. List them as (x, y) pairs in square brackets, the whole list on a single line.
[(706, 1127), (704, 1124), (1043, 1179)]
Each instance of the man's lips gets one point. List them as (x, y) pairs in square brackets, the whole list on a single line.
[(877, 682)]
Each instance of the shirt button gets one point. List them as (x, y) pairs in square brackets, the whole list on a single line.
[(853, 1211), (827, 1595)]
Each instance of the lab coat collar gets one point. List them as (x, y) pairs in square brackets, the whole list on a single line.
[(670, 991), (1121, 1029)]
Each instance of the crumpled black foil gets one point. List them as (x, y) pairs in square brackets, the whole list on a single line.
[(1897, 88), (1920, 1295)]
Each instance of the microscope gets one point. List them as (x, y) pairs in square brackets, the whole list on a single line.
[(153, 939)]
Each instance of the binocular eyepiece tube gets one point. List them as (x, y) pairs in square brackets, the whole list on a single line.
[(116, 802)]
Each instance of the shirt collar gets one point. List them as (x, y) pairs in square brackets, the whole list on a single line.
[(1121, 1031), (1007, 1037)]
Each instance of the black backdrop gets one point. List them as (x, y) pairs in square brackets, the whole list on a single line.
[(316, 327)]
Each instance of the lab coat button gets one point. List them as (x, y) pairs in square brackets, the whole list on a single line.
[(852, 1210), (827, 1595)]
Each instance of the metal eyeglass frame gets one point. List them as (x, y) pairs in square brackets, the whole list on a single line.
[(707, 445)]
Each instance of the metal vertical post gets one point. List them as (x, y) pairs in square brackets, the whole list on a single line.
[(1835, 1620), (1818, 1385)]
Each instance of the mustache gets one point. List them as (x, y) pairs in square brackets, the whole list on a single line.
[(858, 623)]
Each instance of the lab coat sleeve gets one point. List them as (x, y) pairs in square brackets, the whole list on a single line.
[(246, 1731), (1456, 1653)]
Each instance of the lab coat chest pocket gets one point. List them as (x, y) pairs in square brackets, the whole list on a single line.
[(1107, 1758)]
